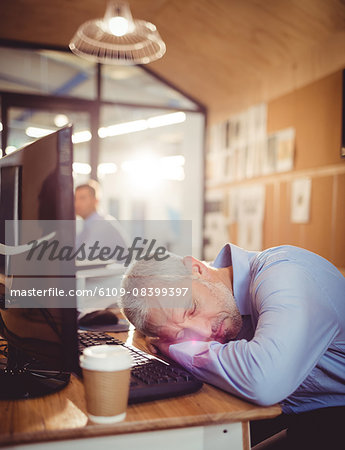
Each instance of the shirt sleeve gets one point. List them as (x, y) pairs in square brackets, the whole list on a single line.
[(295, 325)]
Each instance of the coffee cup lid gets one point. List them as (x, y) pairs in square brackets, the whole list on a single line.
[(105, 358)]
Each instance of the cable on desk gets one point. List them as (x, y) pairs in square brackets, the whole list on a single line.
[(3, 347)]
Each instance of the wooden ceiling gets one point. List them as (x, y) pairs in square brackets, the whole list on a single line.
[(227, 54)]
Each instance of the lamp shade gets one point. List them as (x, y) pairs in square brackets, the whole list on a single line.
[(118, 38)]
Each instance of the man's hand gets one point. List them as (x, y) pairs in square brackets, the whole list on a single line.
[(157, 345)]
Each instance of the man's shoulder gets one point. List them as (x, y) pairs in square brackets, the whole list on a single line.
[(102, 218), (294, 262), (286, 252), (109, 217), (94, 217), (282, 255)]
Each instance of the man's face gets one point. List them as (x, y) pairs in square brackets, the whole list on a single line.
[(213, 315), (85, 203)]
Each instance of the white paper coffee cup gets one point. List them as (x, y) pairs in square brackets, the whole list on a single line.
[(106, 374)]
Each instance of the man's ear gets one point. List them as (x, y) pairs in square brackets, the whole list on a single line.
[(195, 266)]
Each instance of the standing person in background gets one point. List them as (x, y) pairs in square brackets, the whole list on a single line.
[(97, 227)]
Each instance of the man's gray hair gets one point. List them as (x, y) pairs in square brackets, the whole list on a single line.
[(154, 274)]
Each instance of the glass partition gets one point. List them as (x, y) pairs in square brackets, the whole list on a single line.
[(151, 165), (46, 72), (132, 84), (27, 124), (141, 138)]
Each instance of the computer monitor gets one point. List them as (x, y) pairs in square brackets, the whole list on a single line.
[(36, 184)]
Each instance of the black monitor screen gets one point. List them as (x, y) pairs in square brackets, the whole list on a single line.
[(36, 185)]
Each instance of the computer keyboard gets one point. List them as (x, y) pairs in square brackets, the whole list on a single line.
[(151, 378)]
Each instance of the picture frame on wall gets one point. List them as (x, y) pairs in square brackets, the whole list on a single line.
[(342, 148)]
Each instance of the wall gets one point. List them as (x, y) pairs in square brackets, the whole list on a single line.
[(315, 111)]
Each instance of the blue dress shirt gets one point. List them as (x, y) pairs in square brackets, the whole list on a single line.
[(105, 230), (292, 349)]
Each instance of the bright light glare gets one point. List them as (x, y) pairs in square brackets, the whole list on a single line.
[(140, 125), (166, 119), (173, 173), (1, 127), (10, 149), (122, 128), (77, 138), (60, 120), (118, 26), (81, 136), (81, 168), (150, 171), (171, 167), (137, 166), (38, 132), (143, 174), (176, 160), (106, 169)]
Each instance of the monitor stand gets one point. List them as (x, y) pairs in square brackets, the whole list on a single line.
[(20, 380), (23, 383)]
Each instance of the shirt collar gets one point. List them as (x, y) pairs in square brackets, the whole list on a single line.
[(238, 258)]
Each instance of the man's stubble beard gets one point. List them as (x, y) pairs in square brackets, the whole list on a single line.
[(223, 296)]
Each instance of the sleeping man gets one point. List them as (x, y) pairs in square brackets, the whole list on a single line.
[(267, 326)]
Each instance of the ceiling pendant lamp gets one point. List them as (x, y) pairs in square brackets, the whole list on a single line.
[(118, 38)]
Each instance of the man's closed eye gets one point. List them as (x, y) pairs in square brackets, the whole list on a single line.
[(194, 309)]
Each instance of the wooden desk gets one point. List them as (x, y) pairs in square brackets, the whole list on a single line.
[(207, 419)]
